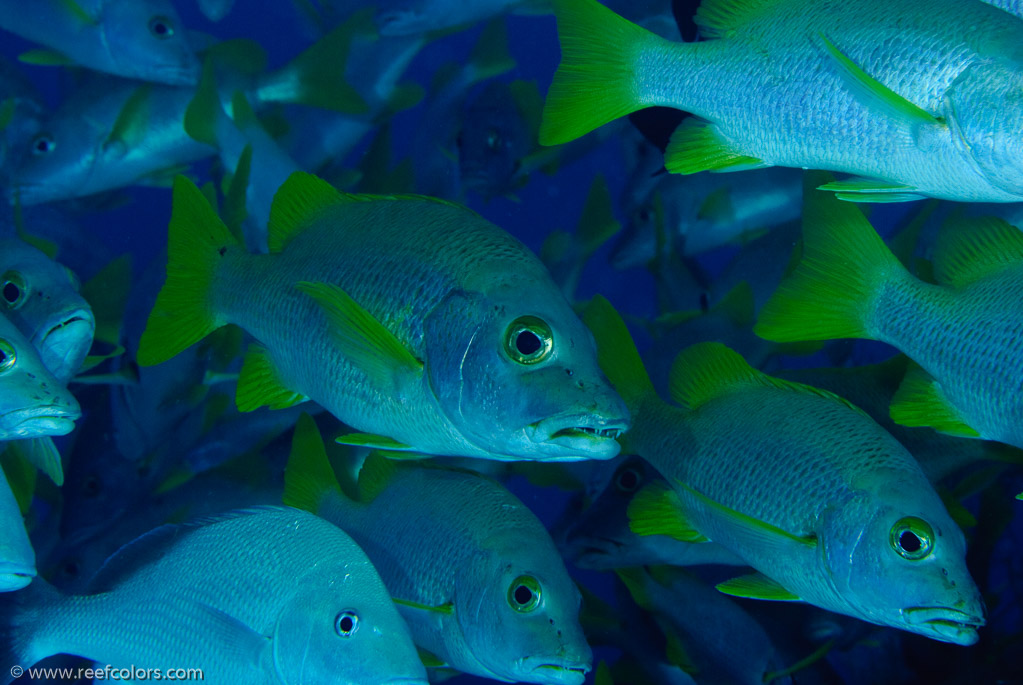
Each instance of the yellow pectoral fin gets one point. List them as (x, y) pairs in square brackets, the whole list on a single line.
[(757, 586)]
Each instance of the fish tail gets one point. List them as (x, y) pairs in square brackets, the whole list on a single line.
[(23, 618), (596, 81), (833, 292), (196, 241)]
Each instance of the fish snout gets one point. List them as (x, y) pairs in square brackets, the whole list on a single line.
[(64, 343), (553, 671), (945, 623)]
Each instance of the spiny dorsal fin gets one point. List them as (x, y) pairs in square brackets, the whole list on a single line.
[(704, 371), (970, 248)]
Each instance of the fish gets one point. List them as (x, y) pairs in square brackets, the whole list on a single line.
[(600, 538), (416, 17), (471, 568), (1013, 7), (909, 100), (721, 641), (112, 133), (32, 402), (215, 10), (143, 40), (825, 504), (472, 353), (495, 137), (262, 595), (705, 212), (41, 297), (17, 558), (21, 111), (961, 333)]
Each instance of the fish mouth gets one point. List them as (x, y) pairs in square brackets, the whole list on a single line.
[(61, 343), (944, 624), (581, 436), (592, 552), (536, 670), (15, 576), (42, 420)]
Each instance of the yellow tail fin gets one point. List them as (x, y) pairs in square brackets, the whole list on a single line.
[(196, 239)]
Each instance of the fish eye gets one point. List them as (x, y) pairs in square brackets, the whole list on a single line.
[(13, 290), (524, 594), (912, 538), (628, 479), (161, 27), (8, 357), (346, 623), (43, 144), (528, 340)]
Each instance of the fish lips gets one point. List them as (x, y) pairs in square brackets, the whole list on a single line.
[(548, 671), (64, 342), (576, 437), (944, 624), (52, 419), (15, 576)]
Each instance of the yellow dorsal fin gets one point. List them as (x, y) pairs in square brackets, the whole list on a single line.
[(297, 203), (308, 477), (377, 472), (723, 18)]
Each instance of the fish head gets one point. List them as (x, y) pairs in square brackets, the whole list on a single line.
[(986, 120), (32, 402), (901, 562), (493, 140), (518, 377), (15, 576), (148, 41), (41, 297), (518, 611), (600, 537), (60, 161), (340, 626)]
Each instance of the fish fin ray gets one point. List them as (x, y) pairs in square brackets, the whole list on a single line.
[(657, 510), (697, 145), (757, 586), (919, 401), (259, 384), (308, 476), (971, 248)]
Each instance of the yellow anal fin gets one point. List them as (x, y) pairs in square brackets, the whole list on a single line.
[(919, 401), (698, 146), (657, 510), (259, 384)]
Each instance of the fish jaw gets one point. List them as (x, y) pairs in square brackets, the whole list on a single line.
[(944, 624), (575, 437), (14, 576), (549, 671), (64, 342), (51, 419)]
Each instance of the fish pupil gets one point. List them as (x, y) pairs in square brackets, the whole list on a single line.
[(43, 145), (628, 480), (11, 292), (523, 594), (347, 624), (527, 343), (910, 542)]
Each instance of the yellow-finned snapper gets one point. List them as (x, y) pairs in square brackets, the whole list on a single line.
[(113, 133), (41, 297), (137, 39), (963, 334), (411, 319), (806, 488), (471, 568), (914, 100), (21, 110), (264, 595)]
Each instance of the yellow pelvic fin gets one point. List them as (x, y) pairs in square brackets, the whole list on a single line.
[(919, 401), (259, 384)]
